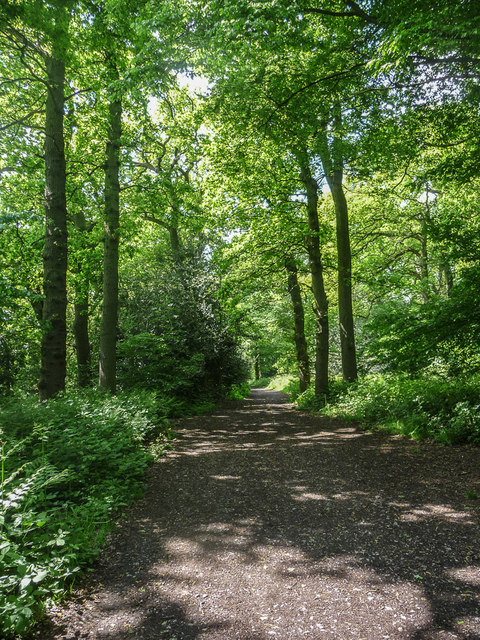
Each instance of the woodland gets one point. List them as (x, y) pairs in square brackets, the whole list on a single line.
[(199, 196)]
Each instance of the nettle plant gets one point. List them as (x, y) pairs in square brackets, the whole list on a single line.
[(67, 466)]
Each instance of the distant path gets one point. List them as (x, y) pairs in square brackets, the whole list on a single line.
[(269, 523)]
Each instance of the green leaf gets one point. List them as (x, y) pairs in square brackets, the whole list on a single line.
[(40, 576), (24, 582)]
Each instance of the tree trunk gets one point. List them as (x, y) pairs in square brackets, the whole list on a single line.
[(299, 324), (332, 161), (447, 272), (53, 347), (318, 286), (108, 331), (345, 307), (423, 255), (81, 309), (258, 373), (175, 245), (82, 341)]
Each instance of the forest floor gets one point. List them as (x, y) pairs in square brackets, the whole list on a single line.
[(267, 523)]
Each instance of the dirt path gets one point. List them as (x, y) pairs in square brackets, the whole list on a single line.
[(269, 523)]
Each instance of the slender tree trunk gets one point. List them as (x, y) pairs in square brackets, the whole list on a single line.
[(299, 324), (108, 331), (345, 307), (318, 286), (175, 240), (175, 245), (81, 311), (447, 272), (332, 161), (82, 341), (423, 255), (53, 347), (258, 373)]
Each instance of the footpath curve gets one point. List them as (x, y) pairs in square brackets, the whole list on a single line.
[(265, 522)]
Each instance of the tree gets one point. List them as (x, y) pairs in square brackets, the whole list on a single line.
[(332, 158), (299, 324), (54, 362), (108, 332), (316, 271), (24, 28)]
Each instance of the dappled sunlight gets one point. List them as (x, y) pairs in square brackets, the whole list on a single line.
[(469, 575), (340, 585), (440, 511), (302, 497), (295, 529)]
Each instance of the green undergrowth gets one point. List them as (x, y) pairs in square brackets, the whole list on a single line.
[(285, 382), (238, 391), (445, 410), (261, 383), (68, 466)]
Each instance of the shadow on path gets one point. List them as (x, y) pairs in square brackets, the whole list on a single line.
[(269, 523)]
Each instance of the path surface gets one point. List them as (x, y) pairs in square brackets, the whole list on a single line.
[(269, 523)]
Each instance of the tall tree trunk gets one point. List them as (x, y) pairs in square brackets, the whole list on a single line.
[(423, 258), (446, 270), (316, 270), (175, 240), (258, 373), (332, 161), (53, 346), (299, 325), (345, 307), (81, 312), (108, 331), (82, 341)]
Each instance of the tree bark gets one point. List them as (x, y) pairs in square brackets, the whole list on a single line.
[(318, 286), (332, 161), (53, 345), (258, 373), (82, 341), (299, 325), (446, 270), (345, 307), (81, 310), (424, 259), (108, 330)]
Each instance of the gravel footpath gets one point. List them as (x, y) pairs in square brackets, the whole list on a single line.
[(267, 523)]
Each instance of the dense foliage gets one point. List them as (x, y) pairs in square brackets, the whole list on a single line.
[(422, 407), (67, 466)]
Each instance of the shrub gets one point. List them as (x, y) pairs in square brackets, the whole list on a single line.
[(67, 466), (261, 383), (238, 391), (446, 410)]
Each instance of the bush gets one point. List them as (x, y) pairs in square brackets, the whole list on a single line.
[(67, 465), (261, 383), (310, 402), (441, 409), (238, 391), (174, 338), (442, 333)]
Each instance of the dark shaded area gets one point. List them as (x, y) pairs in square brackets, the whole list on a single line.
[(268, 523)]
